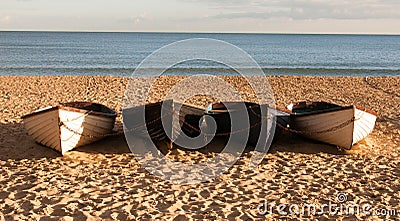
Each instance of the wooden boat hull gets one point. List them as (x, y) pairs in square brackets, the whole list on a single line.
[(333, 124), (189, 119), (70, 125), (173, 125), (282, 120), (149, 120), (219, 112)]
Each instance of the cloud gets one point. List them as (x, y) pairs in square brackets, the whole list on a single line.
[(138, 19), (135, 20), (305, 9)]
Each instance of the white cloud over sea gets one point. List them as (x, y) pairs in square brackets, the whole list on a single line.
[(305, 9), (287, 16)]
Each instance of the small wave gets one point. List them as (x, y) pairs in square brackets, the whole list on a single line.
[(184, 71)]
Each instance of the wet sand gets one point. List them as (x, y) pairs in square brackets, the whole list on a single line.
[(103, 180)]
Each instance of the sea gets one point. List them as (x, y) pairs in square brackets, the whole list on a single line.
[(119, 54)]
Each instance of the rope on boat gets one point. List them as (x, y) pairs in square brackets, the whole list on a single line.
[(334, 128), (198, 130), (251, 108), (303, 132), (378, 88), (89, 135), (256, 114), (221, 134), (116, 133), (143, 126), (183, 122), (79, 117)]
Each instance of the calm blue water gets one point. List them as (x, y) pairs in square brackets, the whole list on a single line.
[(58, 53)]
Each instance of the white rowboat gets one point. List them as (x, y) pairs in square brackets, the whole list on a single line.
[(332, 124), (70, 125)]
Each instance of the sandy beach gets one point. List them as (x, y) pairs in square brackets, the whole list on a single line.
[(104, 181)]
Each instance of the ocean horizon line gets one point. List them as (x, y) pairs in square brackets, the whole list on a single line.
[(195, 32)]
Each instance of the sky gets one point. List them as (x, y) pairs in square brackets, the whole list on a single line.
[(243, 16)]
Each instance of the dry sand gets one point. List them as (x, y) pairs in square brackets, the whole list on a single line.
[(104, 181)]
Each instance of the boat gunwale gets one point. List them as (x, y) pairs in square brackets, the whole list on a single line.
[(367, 110), (327, 110), (323, 111), (96, 113), (191, 106), (63, 106), (144, 106), (282, 109), (40, 112), (224, 111)]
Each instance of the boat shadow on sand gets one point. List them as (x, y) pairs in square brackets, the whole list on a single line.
[(16, 144), (286, 142), (289, 142)]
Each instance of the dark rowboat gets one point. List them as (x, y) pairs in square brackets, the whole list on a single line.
[(150, 120), (222, 112)]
